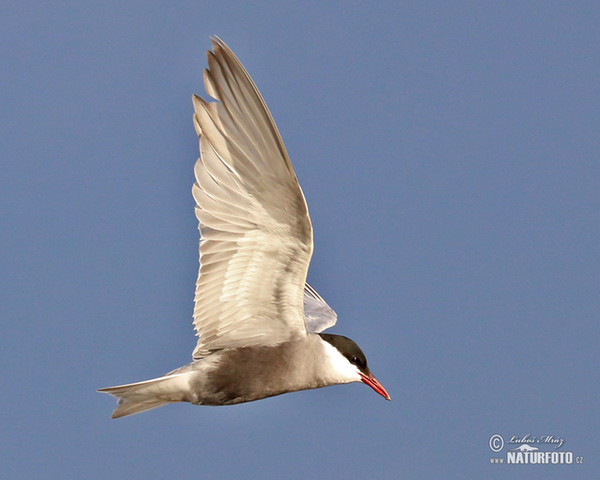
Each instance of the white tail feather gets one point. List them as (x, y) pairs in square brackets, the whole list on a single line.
[(141, 396)]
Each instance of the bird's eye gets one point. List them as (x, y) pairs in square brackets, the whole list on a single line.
[(354, 359)]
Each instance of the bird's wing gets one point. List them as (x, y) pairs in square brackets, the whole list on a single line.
[(256, 236), (317, 314)]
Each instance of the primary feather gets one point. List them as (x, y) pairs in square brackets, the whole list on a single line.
[(256, 235)]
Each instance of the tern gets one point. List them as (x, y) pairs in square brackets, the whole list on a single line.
[(259, 324)]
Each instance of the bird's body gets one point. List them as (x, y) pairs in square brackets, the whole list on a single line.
[(257, 320)]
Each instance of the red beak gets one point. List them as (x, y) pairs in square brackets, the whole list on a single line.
[(372, 382)]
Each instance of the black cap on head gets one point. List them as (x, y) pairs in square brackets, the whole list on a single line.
[(349, 349)]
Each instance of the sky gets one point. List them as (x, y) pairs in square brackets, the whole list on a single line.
[(449, 154)]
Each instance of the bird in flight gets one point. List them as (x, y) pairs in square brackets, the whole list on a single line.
[(259, 324)]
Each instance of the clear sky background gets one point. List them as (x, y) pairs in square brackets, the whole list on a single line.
[(450, 156)]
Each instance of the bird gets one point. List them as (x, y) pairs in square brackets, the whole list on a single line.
[(259, 323)]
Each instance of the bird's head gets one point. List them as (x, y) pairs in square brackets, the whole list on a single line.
[(352, 353)]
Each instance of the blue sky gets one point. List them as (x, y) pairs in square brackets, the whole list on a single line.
[(449, 154)]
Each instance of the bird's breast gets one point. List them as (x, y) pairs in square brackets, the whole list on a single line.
[(251, 373)]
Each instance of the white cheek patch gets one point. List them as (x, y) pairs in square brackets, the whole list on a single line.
[(342, 370)]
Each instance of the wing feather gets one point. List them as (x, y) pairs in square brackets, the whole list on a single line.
[(256, 235), (318, 316)]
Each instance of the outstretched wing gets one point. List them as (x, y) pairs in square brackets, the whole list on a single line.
[(318, 316), (256, 236)]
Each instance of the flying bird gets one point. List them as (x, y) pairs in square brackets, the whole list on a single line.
[(259, 324)]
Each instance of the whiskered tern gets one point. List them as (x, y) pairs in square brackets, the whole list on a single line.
[(259, 324)]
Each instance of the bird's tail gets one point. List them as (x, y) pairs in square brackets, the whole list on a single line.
[(141, 396)]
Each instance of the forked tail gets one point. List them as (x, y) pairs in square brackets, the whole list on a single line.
[(141, 396)]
